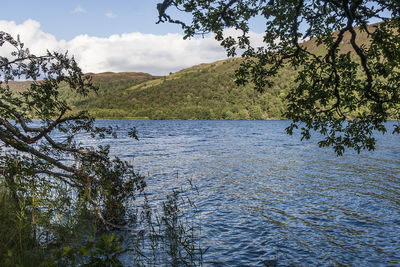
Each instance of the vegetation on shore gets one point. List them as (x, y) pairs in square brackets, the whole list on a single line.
[(65, 201)]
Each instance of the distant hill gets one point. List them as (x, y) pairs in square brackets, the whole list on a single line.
[(99, 79), (345, 46), (19, 86), (112, 77), (205, 91)]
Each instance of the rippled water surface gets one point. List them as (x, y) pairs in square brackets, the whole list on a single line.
[(266, 197)]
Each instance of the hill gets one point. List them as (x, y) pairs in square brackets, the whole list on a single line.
[(205, 91)]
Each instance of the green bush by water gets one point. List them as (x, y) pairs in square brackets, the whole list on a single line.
[(158, 235)]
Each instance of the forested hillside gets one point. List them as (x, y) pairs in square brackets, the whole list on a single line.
[(206, 91)]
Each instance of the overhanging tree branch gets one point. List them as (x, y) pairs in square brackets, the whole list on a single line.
[(341, 75), (49, 152)]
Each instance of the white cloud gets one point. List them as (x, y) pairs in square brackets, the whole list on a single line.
[(79, 9), (110, 15), (32, 36), (155, 54)]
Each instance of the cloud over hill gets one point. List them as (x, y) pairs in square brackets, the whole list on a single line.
[(155, 54)]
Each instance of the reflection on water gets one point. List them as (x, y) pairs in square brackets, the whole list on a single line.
[(266, 197)]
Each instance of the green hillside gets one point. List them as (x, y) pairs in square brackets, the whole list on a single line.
[(205, 91)]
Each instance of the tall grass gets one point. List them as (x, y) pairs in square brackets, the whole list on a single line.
[(159, 234), (167, 234)]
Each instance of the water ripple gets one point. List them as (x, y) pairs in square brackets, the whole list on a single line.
[(267, 198)]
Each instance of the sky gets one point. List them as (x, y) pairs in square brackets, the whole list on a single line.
[(105, 35)]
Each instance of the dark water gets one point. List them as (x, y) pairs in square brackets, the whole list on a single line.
[(267, 197)]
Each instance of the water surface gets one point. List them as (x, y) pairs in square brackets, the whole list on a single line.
[(266, 197)]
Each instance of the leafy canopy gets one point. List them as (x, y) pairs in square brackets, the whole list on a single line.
[(344, 94), (46, 158)]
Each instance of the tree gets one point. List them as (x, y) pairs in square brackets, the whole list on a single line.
[(346, 96), (43, 164)]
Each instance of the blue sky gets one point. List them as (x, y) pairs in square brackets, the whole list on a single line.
[(105, 35), (119, 35), (67, 19)]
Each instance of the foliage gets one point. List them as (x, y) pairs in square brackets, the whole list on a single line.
[(55, 180), (104, 250), (160, 235), (59, 195), (332, 85)]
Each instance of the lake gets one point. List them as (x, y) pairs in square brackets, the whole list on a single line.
[(266, 197)]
